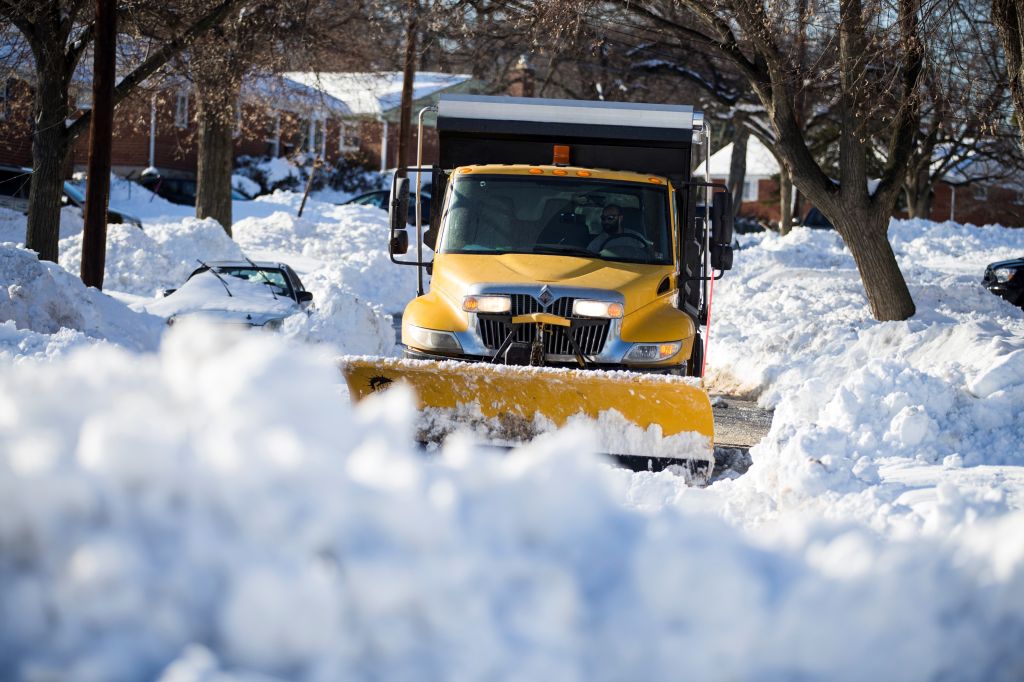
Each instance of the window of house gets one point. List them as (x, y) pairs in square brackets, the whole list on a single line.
[(348, 137), (237, 132), (314, 137), (980, 192), (181, 109), (750, 189), (273, 139)]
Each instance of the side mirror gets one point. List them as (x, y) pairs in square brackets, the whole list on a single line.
[(168, 292), (399, 242), (398, 206), (305, 296), (721, 257), (721, 218)]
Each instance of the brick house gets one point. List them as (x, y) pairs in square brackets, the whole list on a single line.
[(956, 197), (156, 129)]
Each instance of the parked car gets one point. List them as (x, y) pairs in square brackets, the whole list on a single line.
[(179, 190), (1006, 278), (237, 293), (16, 181), (815, 219), (379, 199)]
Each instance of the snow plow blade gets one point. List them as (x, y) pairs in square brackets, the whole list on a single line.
[(636, 415)]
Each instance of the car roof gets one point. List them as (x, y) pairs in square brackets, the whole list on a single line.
[(1012, 263), (245, 264)]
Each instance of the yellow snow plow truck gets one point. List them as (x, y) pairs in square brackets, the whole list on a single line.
[(571, 268)]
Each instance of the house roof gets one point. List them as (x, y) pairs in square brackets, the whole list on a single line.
[(285, 93), (760, 161), (375, 94)]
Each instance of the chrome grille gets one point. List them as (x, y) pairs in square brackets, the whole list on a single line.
[(590, 334)]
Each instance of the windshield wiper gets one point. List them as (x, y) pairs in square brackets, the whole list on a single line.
[(564, 248), (217, 275), (266, 280)]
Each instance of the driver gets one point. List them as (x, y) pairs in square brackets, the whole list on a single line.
[(611, 227)]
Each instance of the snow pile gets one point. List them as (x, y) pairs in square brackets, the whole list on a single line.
[(143, 262), (218, 508), (860, 402), (353, 240), (41, 297)]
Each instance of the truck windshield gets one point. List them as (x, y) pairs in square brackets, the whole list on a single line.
[(617, 221)]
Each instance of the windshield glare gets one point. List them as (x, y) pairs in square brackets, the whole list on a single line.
[(620, 221), (275, 278)]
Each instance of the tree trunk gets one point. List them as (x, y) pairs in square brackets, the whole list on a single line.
[(50, 146), (785, 201), (408, 76), (918, 192), (97, 193), (1007, 15), (866, 235), (738, 164), (215, 149)]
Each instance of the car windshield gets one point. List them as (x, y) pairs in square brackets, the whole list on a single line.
[(275, 277), (558, 215)]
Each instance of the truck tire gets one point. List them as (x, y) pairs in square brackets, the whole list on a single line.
[(695, 367)]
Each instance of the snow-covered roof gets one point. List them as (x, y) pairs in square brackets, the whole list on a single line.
[(283, 92), (760, 161), (373, 94)]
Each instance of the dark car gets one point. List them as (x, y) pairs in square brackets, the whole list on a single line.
[(179, 190), (379, 199), (1006, 279), (15, 183), (815, 219)]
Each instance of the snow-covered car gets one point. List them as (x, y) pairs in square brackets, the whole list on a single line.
[(1006, 279), (239, 293)]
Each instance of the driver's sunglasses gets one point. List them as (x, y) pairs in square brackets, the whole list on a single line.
[(609, 218)]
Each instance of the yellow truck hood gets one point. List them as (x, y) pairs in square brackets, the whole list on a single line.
[(455, 273)]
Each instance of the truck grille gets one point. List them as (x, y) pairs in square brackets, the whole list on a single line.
[(590, 334)]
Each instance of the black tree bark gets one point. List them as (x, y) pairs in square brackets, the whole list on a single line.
[(1007, 16)]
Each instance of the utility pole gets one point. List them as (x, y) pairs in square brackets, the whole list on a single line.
[(408, 75), (97, 191)]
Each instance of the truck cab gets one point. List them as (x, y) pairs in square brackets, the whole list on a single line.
[(568, 236)]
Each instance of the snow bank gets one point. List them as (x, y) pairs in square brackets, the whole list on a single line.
[(351, 239), (42, 297), (858, 401), (218, 508), (143, 262)]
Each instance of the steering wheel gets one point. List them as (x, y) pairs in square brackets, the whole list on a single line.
[(626, 235)]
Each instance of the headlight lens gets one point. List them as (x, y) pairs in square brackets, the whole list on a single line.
[(1003, 274), (653, 352), (487, 304), (607, 309), (170, 321), (433, 339)]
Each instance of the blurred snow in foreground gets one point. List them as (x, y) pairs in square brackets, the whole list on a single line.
[(215, 509)]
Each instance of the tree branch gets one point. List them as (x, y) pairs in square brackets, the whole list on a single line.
[(164, 54)]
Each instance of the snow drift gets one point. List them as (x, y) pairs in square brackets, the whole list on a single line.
[(219, 508)]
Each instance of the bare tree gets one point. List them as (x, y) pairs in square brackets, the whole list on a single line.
[(58, 33)]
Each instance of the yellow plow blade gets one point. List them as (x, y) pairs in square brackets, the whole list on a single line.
[(670, 416)]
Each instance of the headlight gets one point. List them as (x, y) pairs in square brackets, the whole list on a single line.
[(652, 352), (433, 339), (1003, 274), (608, 309), (170, 321), (487, 304), (273, 325)]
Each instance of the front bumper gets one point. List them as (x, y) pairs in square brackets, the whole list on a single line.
[(676, 370)]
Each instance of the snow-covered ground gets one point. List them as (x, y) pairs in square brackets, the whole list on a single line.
[(215, 509)]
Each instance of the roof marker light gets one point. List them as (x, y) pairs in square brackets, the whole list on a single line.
[(656, 181), (536, 171), (561, 155), (560, 171), (584, 174)]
